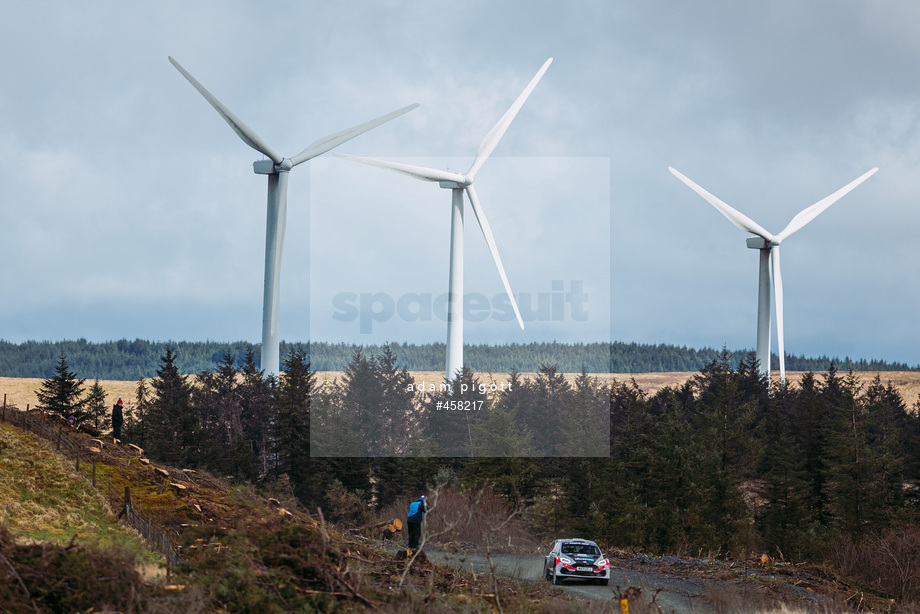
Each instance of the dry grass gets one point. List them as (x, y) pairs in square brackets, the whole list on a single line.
[(20, 391), (44, 499), (906, 382)]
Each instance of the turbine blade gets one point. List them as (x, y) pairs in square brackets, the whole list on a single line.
[(321, 146), (487, 233), (735, 217), (807, 215), (417, 172), (498, 130), (246, 133), (778, 297)]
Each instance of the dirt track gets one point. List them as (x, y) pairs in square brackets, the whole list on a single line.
[(677, 595), (678, 590)]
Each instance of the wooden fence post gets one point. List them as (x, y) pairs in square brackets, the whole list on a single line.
[(128, 498), (60, 432), (4, 407), (78, 464), (94, 473)]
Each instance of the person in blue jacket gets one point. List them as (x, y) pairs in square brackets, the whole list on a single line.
[(417, 511)]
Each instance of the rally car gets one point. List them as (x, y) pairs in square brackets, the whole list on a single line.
[(579, 559)]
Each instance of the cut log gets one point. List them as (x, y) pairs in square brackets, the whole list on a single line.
[(162, 472), (138, 449), (144, 461), (180, 488)]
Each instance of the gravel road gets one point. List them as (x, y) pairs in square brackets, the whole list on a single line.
[(684, 591), (677, 594)]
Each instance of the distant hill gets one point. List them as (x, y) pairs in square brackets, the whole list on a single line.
[(131, 360)]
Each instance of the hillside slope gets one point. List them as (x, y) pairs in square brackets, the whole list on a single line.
[(240, 549), (247, 550), (46, 501)]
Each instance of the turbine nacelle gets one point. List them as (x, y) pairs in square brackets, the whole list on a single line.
[(268, 167), (457, 185), (761, 243)]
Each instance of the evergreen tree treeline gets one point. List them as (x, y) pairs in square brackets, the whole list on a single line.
[(722, 463), (131, 360)]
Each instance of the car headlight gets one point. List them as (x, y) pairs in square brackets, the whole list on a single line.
[(566, 560), (602, 563)]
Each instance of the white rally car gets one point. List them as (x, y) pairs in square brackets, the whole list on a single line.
[(578, 559)]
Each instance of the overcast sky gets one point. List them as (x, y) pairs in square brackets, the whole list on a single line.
[(128, 208)]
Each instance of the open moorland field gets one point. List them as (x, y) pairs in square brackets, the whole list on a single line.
[(20, 391), (906, 382)]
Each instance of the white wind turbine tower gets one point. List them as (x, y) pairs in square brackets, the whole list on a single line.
[(277, 168), (770, 275), (458, 183)]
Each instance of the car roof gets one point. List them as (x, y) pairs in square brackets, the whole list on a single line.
[(576, 540)]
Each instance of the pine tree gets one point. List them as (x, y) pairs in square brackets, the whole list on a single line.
[(654, 497), (547, 400), (886, 422), (255, 398), (586, 423), (784, 519), (912, 453), (62, 393), (217, 400), (867, 470), (813, 436), (396, 412), (452, 414), (290, 424), (175, 431), (137, 424), (361, 394), (726, 450), (497, 436), (96, 408), (331, 432)]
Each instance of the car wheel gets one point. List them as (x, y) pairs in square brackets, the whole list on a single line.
[(556, 579), (603, 582)]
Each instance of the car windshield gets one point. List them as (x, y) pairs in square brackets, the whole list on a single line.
[(581, 549)]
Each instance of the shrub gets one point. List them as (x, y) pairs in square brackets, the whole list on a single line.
[(888, 562)]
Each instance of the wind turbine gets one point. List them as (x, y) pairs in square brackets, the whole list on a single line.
[(277, 168), (459, 183), (768, 244)]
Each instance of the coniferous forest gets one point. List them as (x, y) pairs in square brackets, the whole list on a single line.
[(723, 463), (130, 360)]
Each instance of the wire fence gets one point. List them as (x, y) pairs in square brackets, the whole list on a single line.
[(63, 437)]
